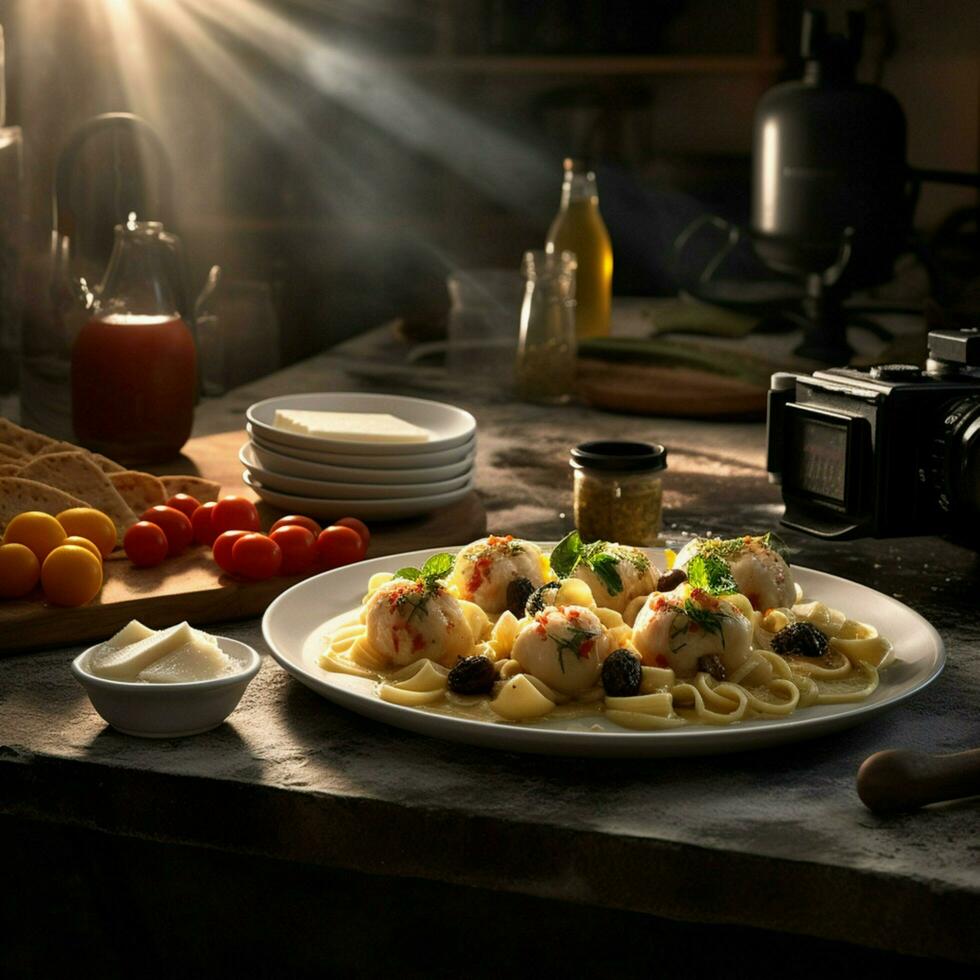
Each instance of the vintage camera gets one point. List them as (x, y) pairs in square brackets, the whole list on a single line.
[(893, 450)]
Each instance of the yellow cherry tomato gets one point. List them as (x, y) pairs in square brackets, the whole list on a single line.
[(19, 570), (87, 522), (39, 531), (71, 576), (77, 539)]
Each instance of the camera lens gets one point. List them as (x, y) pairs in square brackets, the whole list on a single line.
[(959, 476)]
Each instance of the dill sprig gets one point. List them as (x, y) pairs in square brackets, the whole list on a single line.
[(573, 642)]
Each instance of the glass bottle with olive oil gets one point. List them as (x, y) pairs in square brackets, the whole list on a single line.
[(579, 228)]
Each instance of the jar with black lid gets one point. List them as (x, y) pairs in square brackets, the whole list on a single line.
[(619, 491)]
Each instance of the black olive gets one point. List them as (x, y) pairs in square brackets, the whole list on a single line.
[(518, 592), (711, 664), (540, 598), (803, 639), (472, 675), (621, 674), (670, 580)]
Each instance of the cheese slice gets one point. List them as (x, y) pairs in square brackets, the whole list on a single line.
[(132, 632), (125, 663), (199, 660), (350, 426)]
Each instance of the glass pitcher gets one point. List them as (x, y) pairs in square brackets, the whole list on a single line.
[(134, 362)]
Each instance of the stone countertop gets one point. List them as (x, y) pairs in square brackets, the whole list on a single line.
[(775, 838)]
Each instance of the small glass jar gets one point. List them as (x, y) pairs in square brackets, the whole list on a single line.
[(546, 349), (619, 491)]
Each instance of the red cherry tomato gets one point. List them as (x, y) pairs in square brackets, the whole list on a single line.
[(221, 549), (145, 544), (298, 548), (185, 503), (235, 514), (359, 526), (307, 522), (204, 532), (338, 546), (175, 525), (256, 556)]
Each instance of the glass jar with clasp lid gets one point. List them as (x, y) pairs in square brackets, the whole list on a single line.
[(619, 491)]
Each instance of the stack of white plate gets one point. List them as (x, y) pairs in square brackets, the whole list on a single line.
[(332, 478)]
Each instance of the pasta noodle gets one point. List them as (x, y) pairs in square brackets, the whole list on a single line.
[(706, 654)]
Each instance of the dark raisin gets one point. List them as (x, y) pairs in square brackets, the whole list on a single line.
[(541, 597), (472, 675), (518, 592), (711, 664), (803, 639), (621, 674), (670, 580)]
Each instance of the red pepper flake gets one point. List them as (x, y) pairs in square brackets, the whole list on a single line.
[(586, 648), (498, 541), (481, 571), (417, 641)]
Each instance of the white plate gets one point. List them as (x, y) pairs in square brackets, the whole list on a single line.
[(292, 628), (381, 510), (355, 491), (417, 461), (255, 454), (449, 426)]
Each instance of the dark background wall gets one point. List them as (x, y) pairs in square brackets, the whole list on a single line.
[(350, 153)]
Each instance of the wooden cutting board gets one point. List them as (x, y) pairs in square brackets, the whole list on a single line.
[(647, 389), (191, 586)]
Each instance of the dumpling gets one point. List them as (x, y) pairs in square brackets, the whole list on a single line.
[(760, 572), (564, 646), (406, 621), (485, 568), (637, 573), (676, 629)]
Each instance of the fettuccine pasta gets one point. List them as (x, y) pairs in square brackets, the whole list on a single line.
[(505, 633)]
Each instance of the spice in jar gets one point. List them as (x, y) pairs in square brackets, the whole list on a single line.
[(619, 491)]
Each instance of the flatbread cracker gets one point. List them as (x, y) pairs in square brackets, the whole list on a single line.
[(104, 463), (139, 490), (10, 469), (199, 488), (24, 440), (75, 473), (17, 495), (10, 454)]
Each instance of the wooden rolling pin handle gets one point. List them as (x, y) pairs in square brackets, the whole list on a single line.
[(899, 779)]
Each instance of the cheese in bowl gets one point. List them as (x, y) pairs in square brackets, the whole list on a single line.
[(165, 683), (171, 656)]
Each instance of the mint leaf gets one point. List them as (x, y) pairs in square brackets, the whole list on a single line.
[(712, 574), (409, 573), (604, 566), (566, 555), (438, 566)]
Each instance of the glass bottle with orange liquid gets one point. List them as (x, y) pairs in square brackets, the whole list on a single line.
[(134, 378), (579, 228)]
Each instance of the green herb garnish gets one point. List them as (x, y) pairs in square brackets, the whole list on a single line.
[(709, 620), (711, 574), (573, 642), (429, 575), (601, 556)]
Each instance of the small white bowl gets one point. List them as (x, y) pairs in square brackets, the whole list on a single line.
[(264, 439), (448, 425), (254, 454), (169, 710)]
